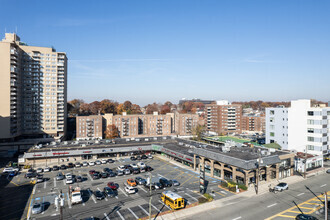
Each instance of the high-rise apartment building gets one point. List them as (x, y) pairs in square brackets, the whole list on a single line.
[(33, 90), (223, 117), (299, 127), (253, 123)]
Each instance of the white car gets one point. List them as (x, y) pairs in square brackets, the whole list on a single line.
[(40, 170), (85, 164), (69, 180), (150, 156), (134, 165), (121, 168), (98, 162), (104, 161), (9, 169), (141, 165), (47, 169), (68, 176), (281, 187), (130, 189), (91, 163)]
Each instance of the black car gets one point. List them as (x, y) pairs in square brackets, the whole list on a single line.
[(55, 168), (144, 157), (305, 217), (106, 170), (96, 176), (165, 182), (136, 170), (109, 192), (147, 186), (63, 167), (111, 174), (99, 195), (159, 186), (30, 175), (104, 175), (70, 165), (149, 168), (138, 157), (110, 161), (79, 179), (133, 158)]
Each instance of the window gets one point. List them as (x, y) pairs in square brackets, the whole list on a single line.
[(272, 134), (271, 120), (310, 147), (271, 112), (310, 139), (310, 121), (310, 113), (310, 130), (272, 127)]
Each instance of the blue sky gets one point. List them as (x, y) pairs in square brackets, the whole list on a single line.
[(147, 51)]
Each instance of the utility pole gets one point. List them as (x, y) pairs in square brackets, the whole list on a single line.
[(305, 163), (326, 205), (258, 172), (150, 196)]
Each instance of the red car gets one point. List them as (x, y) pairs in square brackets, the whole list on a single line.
[(113, 185), (91, 172)]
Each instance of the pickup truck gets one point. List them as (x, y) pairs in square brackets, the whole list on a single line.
[(75, 195)]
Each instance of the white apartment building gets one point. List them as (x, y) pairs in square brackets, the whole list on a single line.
[(299, 127), (33, 90)]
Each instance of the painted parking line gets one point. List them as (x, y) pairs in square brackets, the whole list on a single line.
[(106, 216), (91, 195), (123, 192), (90, 176), (187, 180), (237, 218), (300, 194), (191, 197), (122, 218), (179, 174), (323, 185), (54, 182), (163, 204), (145, 211), (34, 189), (175, 170), (133, 213), (45, 184), (64, 182), (271, 205), (140, 187), (155, 208)]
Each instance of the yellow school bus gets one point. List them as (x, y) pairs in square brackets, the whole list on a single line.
[(173, 200)]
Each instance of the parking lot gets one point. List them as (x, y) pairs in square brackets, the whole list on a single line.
[(123, 205)]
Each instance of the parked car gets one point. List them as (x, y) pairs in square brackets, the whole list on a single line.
[(62, 167), (305, 217), (141, 164), (96, 176), (130, 189), (91, 163), (99, 195), (109, 192), (175, 183), (133, 158), (29, 175), (60, 176), (91, 172), (328, 171), (55, 168), (85, 164), (121, 167), (131, 182), (69, 180), (104, 175), (70, 165), (138, 157), (127, 172), (47, 169), (37, 208), (10, 169), (103, 161), (133, 165), (40, 178), (68, 175), (79, 179), (113, 185), (98, 162), (110, 161), (140, 180), (159, 185), (149, 168), (142, 170), (147, 186), (165, 182), (12, 173), (150, 156), (111, 174), (281, 187), (144, 157), (40, 170), (120, 173), (77, 164)]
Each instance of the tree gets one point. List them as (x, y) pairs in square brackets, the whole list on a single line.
[(74, 106), (108, 106), (95, 107), (165, 109), (152, 108), (136, 109), (84, 109), (120, 109), (111, 132), (197, 132), (127, 105)]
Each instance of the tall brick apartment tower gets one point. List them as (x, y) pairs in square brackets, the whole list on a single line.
[(223, 118), (33, 90)]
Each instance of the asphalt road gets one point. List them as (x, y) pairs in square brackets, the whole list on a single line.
[(269, 204)]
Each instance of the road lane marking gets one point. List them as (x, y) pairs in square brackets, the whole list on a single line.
[(155, 208), (133, 213), (287, 216), (271, 205), (145, 211), (120, 215), (237, 218), (191, 197), (106, 216), (54, 182), (140, 187), (300, 194), (323, 185), (123, 192)]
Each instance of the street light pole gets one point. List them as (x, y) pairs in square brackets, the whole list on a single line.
[(150, 196)]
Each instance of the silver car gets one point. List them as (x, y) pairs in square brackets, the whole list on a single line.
[(59, 176), (281, 187), (36, 208)]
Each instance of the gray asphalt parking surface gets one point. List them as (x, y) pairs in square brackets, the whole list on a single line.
[(124, 205)]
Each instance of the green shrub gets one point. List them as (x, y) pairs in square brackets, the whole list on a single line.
[(243, 187), (208, 197), (232, 189), (224, 184), (232, 182), (202, 200)]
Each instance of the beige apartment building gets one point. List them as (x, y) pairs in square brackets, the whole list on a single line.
[(223, 118), (33, 90), (90, 126), (133, 126), (253, 123)]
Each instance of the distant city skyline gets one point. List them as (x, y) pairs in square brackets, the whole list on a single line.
[(152, 51)]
